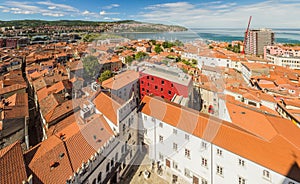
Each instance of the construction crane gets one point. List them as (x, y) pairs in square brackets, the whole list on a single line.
[(246, 36)]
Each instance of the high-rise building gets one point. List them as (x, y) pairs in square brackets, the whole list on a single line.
[(257, 39)]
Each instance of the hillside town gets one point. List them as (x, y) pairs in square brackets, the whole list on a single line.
[(148, 111)]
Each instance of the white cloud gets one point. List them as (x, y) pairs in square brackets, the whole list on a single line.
[(15, 9), (86, 12), (53, 14), (43, 8), (111, 6), (102, 13), (52, 7), (58, 6), (272, 13)]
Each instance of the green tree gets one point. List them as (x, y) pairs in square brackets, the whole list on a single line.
[(128, 59), (194, 61), (91, 66), (167, 44), (158, 49), (178, 43), (105, 75), (153, 42), (140, 55)]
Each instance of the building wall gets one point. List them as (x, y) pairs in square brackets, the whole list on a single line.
[(231, 164), (148, 85), (125, 92)]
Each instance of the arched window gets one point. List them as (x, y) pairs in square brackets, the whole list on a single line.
[(112, 163), (99, 177), (107, 167), (94, 181), (116, 157)]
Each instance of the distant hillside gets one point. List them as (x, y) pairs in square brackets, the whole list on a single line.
[(116, 26)]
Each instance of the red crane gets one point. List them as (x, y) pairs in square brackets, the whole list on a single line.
[(246, 36)]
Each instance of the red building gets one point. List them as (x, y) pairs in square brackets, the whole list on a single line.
[(164, 82), (11, 42)]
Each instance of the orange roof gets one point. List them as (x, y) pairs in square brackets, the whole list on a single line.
[(80, 145), (272, 146), (11, 88), (12, 165), (42, 93), (107, 106), (121, 80)]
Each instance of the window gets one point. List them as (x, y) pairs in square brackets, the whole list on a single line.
[(161, 139), (112, 163), (219, 152), (174, 146), (152, 78), (153, 119), (145, 118), (241, 162), (187, 137), (94, 181), (172, 85), (187, 172), (187, 153), (203, 181), (266, 174), (169, 92), (175, 131), (147, 77), (161, 89), (242, 180), (161, 157), (161, 125), (219, 170), (99, 177), (204, 162), (142, 82), (162, 82), (203, 144), (143, 89), (156, 87), (107, 167), (175, 165)]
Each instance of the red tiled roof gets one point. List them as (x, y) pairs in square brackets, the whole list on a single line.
[(120, 80), (81, 145), (107, 106), (12, 88), (12, 165)]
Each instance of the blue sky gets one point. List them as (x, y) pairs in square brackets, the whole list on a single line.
[(193, 13)]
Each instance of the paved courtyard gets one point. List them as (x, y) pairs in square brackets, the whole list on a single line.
[(136, 174)]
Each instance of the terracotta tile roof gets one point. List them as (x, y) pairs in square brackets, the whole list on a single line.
[(60, 86), (121, 80), (280, 153), (12, 165), (249, 96), (12, 88), (48, 104), (39, 84), (62, 124), (17, 110), (107, 106), (42, 93), (81, 145)]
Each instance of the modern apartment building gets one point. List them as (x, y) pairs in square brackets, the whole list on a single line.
[(257, 39)]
